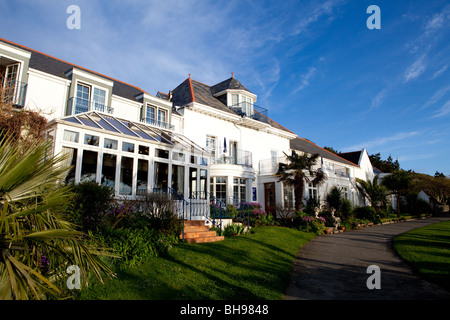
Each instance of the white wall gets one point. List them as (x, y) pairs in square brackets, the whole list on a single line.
[(46, 94)]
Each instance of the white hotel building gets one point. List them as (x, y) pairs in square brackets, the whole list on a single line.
[(199, 140)]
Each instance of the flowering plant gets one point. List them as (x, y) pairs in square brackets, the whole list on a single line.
[(312, 224)]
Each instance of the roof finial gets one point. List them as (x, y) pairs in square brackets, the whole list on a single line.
[(232, 74), (189, 75)]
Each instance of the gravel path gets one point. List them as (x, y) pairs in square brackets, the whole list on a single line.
[(334, 267)]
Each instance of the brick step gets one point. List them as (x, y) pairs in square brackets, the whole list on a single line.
[(194, 223), (203, 234), (208, 239), (195, 231)]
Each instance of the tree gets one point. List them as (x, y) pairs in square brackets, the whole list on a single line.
[(37, 243), (336, 200), (374, 192), (437, 187), (331, 149), (386, 166), (398, 182), (297, 171)]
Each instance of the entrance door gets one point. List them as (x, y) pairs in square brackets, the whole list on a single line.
[(269, 197)]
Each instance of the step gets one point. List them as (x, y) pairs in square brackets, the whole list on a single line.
[(196, 229), (194, 223), (203, 234), (208, 239)]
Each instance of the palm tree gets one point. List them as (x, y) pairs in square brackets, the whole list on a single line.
[(37, 243), (297, 171), (374, 192)]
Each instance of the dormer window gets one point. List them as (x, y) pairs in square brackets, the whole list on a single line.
[(84, 103), (242, 104), (156, 116)]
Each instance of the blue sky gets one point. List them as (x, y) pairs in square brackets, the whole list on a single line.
[(314, 65)]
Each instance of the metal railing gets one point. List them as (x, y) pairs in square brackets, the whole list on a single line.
[(13, 92), (157, 123), (79, 105), (246, 109), (221, 155), (228, 209)]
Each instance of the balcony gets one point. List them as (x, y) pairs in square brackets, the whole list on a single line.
[(14, 92), (245, 109), (158, 123), (236, 157), (78, 105), (270, 166)]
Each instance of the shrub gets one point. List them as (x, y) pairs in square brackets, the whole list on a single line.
[(135, 246), (159, 212), (367, 213), (233, 230), (312, 224), (91, 206)]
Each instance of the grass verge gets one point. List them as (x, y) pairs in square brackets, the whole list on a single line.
[(253, 266), (427, 249)]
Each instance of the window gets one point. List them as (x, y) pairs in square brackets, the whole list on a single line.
[(150, 115), (203, 180), (72, 158), (91, 140), (89, 166), (345, 192), (160, 153), (99, 100), (109, 170), (142, 177), (193, 183), (179, 156), (161, 175), (247, 106), (126, 176), (70, 136), (110, 144), (239, 190), (234, 100), (211, 144), (178, 179), (274, 159), (161, 117), (82, 98), (144, 150), (313, 191), (288, 197), (128, 147), (219, 188)]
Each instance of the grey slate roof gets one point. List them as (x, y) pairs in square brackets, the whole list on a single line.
[(181, 96), (59, 68), (304, 145), (231, 83), (351, 156)]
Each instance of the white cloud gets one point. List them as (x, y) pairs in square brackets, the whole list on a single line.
[(416, 69), (379, 98), (306, 78), (443, 111), (440, 71), (438, 95), (376, 143)]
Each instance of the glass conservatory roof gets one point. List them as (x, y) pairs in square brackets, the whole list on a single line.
[(131, 129)]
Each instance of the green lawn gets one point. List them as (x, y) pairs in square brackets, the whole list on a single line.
[(253, 266), (427, 249)]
